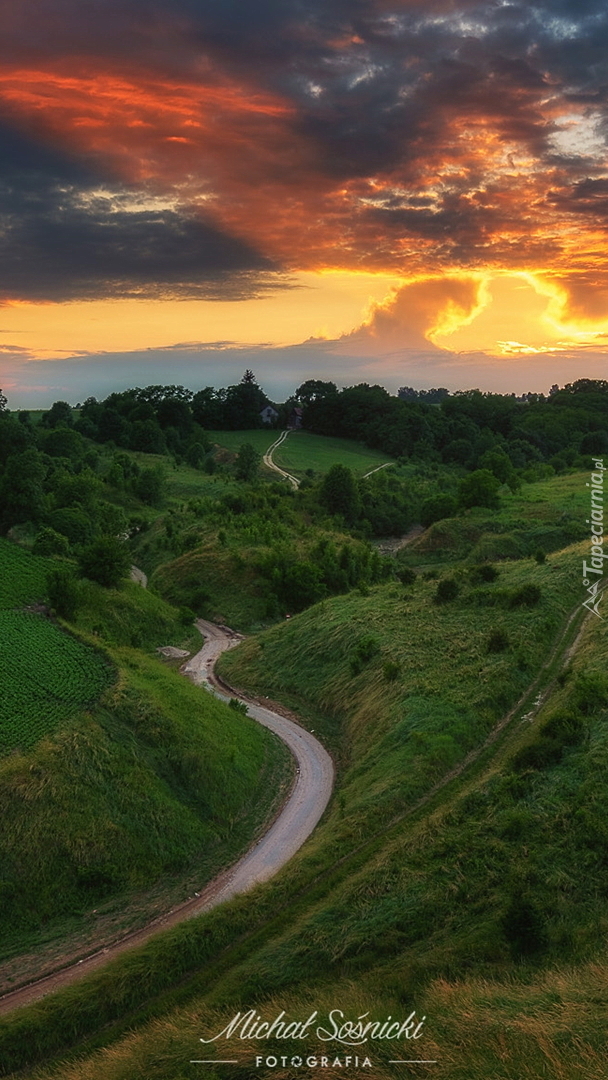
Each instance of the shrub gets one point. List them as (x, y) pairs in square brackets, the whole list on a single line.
[(566, 727), (523, 927), (406, 575), (447, 590), (436, 508), (540, 556), (390, 670), (479, 488), (50, 542), (63, 591), (527, 596), (364, 650), (105, 561), (498, 641), (590, 692), (485, 572)]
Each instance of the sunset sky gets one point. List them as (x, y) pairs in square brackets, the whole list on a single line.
[(384, 191)]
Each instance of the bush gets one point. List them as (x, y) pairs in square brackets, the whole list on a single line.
[(479, 488), (50, 542), (149, 486), (436, 508), (390, 670), (105, 561), (498, 641), (590, 692), (364, 650), (63, 591), (447, 590), (406, 575), (485, 572), (527, 596), (540, 556), (540, 754), (567, 727), (523, 927)]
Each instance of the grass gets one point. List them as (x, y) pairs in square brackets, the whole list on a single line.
[(158, 780), (302, 451), (416, 920), (481, 909), (106, 793), (548, 514)]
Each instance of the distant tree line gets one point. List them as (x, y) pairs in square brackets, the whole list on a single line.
[(465, 427)]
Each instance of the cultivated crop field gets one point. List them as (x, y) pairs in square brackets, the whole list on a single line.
[(22, 575), (46, 677)]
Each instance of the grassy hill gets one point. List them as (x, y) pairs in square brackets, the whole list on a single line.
[(302, 451), (482, 910), (460, 869), (117, 773)]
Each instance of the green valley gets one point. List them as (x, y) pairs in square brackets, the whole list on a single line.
[(435, 642)]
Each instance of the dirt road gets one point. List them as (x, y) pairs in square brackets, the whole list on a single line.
[(269, 462), (299, 816)]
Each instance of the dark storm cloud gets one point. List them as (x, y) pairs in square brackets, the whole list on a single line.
[(63, 235), (410, 96)]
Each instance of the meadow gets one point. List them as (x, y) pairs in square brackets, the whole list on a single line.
[(302, 451)]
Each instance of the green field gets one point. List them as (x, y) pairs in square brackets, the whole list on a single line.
[(302, 451), (22, 576), (47, 675)]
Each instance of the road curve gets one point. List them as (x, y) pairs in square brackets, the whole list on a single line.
[(297, 819), (269, 462)]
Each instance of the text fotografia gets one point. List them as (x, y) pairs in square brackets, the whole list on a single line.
[(339, 1029), (593, 571)]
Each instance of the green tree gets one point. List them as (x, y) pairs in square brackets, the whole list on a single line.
[(247, 462), (59, 413), (149, 486), (21, 490), (105, 561), (479, 488), (339, 493)]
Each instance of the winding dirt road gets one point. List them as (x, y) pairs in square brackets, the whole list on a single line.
[(269, 462), (300, 814)]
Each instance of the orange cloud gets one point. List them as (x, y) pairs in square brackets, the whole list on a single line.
[(413, 314)]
